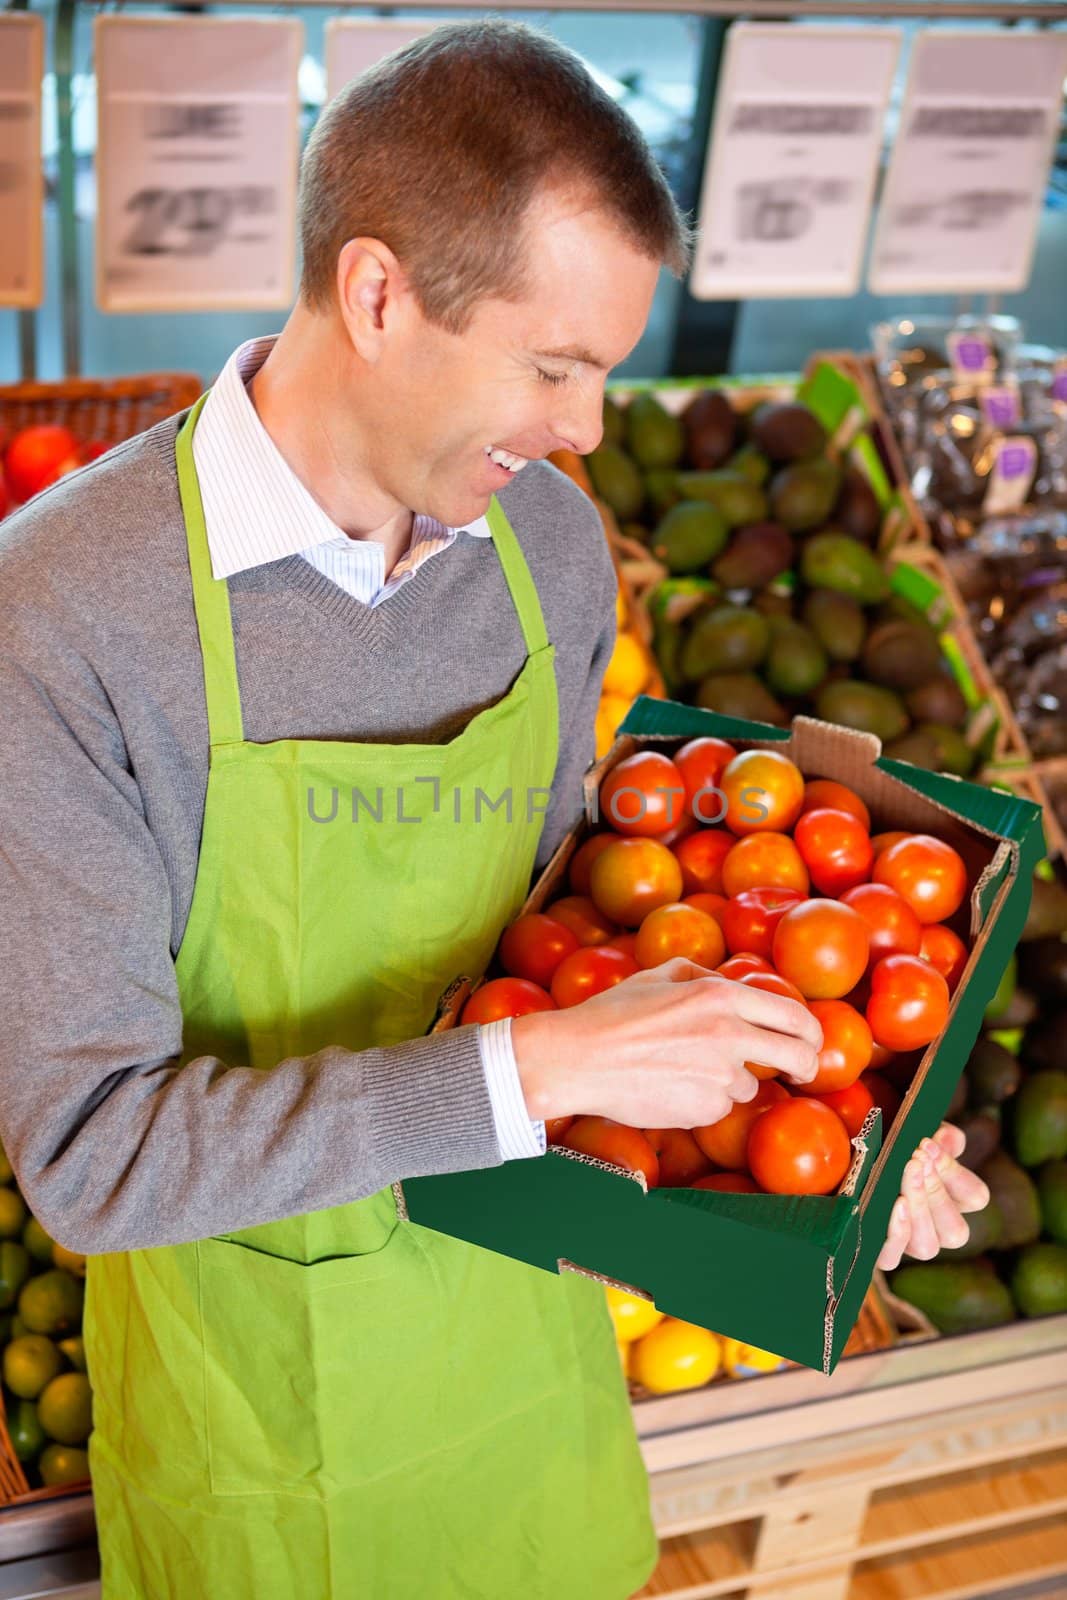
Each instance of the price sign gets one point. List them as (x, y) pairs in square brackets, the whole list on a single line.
[(21, 180), (968, 171), (355, 43), (197, 158), (792, 161)]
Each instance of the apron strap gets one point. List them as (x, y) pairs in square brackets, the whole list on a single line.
[(520, 584), (211, 599)]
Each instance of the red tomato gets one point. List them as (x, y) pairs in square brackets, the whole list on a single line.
[(880, 1056), (727, 1183), (819, 792), (725, 1142), (821, 946), (505, 997), (583, 858), (764, 861), (851, 1105), (884, 1095), (614, 1142), (882, 841), (836, 848), (678, 930), (744, 961), (750, 918), (909, 1003), (764, 792), (644, 795), (895, 929), (927, 873), (701, 856), (771, 983), (33, 458), (555, 1128), (846, 1046), (680, 1157), (799, 1147), (533, 947), (712, 905), (634, 877), (588, 924), (626, 942), (701, 763), (680, 830), (945, 951), (588, 972)]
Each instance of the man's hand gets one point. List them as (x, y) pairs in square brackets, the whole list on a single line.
[(936, 1192)]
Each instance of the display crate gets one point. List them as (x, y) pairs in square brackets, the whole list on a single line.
[(105, 409)]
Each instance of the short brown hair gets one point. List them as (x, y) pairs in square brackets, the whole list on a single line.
[(439, 149)]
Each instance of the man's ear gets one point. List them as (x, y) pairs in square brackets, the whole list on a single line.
[(369, 285)]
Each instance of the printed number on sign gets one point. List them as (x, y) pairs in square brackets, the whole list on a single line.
[(191, 222)]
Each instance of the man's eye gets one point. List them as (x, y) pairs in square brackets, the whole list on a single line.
[(554, 378)]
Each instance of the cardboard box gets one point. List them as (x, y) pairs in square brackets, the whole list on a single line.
[(785, 1273)]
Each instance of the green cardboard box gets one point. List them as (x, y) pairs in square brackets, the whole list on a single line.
[(787, 1274)]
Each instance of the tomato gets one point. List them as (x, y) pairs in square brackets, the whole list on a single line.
[(712, 905), (555, 1128), (33, 458), (643, 796), (927, 873), (819, 792), (772, 983), (895, 929), (764, 861), (679, 831), (533, 947), (701, 856), (505, 997), (880, 1056), (944, 950), (764, 792), (679, 931), (744, 961), (701, 763), (909, 1003), (851, 1105), (588, 972), (616, 1143), (882, 841), (578, 913), (836, 849), (750, 918), (846, 1046), (725, 1142), (626, 942), (728, 1183), (583, 858), (799, 1147), (884, 1095), (680, 1157), (821, 946), (633, 878)]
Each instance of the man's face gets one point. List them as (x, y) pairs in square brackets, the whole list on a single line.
[(439, 400)]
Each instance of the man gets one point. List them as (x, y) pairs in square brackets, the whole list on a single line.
[(250, 658)]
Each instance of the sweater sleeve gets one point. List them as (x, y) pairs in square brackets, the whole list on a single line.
[(113, 1146)]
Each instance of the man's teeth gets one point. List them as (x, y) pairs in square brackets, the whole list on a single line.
[(504, 459)]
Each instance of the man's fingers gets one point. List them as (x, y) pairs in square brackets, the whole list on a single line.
[(949, 1227), (779, 1013), (965, 1188), (794, 1058), (743, 1085), (923, 1242), (897, 1237), (952, 1140)]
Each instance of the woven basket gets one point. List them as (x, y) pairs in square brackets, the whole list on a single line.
[(105, 409)]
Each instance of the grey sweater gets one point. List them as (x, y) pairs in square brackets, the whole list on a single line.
[(103, 771)]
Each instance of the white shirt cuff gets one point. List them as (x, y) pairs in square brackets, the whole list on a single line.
[(518, 1135)]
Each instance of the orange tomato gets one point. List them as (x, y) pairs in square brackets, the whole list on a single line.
[(882, 841), (819, 792), (885, 1095), (944, 950), (846, 1046), (764, 792), (799, 1147), (772, 983), (821, 946), (728, 1183), (836, 849), (681, 1159), (583, 858), (626, 942), (632, 878), (712, 905), (909, 1003), (895, 929), (764, 861), (533, 947), (750, 918), (505, 997), (643, 796), (725, 1142), (679, 831), (851, 1104), (927, 873), (578, 913), (678, 930), (588, 972), (614, 1142), (701, 763), (555, 1128), (744, 961), (701, 856)]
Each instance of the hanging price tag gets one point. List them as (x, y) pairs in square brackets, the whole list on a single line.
[(967, 175), (355, 43), (196, 162), (792, 160), (21, 181)]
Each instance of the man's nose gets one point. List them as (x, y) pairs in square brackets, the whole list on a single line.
[(582, 428)]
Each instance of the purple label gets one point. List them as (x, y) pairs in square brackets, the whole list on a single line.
[(972, 353), (1059, 386), (1015, 460), (1000, 407)]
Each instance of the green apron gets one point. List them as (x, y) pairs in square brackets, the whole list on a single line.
[(345, 1404)]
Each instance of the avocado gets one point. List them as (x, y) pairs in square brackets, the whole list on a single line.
[(725, 639), (802, 495), (1052, 1192), (954, 754), (1039, 1280), (771, 603), (675, 599), (754, 557), (616, 481), (901, 655), (857, 511), (634, 530), (993, 1074), (653, 437), (14, 1270), (738, 500), (661, 490), (667, 640), (837, 621), (614, 425), (1043, 966), (739, 694), (690, 535), (1042, 1043), (710, 428), (1039, 1118), (1047, 917), (981, 1129), (786, 431), (866, 706), (1014, 1192), (939, 699), (796, 662), (957, 1296), (986, 1227), (750, 463), (834, 561), (919, 749)]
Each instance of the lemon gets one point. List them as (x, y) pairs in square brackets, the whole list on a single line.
[(52, 1303), (60, 1463), (621, 618), (37, 1242), (65, 1408), (68, 1260), (29, 1364), (632, 1315), (605, 733), (675, 1355), (624, 1357), (24, 1427), (746, 1360), (627, 671), (12, 1214), (74, 1350)]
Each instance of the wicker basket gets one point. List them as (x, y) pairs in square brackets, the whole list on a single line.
[(104, 409)]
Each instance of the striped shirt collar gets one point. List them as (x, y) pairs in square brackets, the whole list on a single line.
[(255, 507)]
